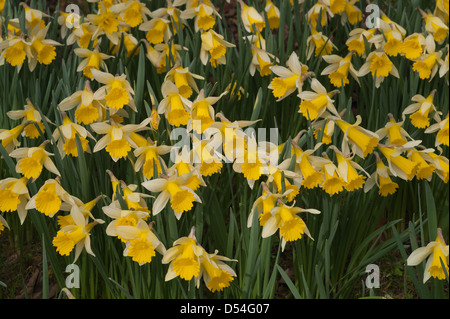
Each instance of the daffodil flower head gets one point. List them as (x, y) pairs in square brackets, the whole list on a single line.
[(183, 79), (308, 166), (435, 26), (172, 188), (352, 12), (363, 141), (9, 137), (50, 198), (32, 117), (116, 91), (339, 69), (425, 167), (413, 46), (91, 60), (175, 106), (441, 164), (319, 10), (441, 127), (381, 178), (356, 42), (205, 16), (42, 50), (289, 78), (121, 217), (273, 14), (216, 274), (436, 253), (149, 157), (157, 29), (133, 12), (285, 219), (333, 182), (215, 47), (16, 52), (32, 160), (318, 43), (314, 104), (379, 65), (184, 258), (421, 111), (398, 165), (14, 196), (348, 170)]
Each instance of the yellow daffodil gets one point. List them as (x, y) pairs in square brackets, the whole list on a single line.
[(308, 166), (172, 188), (15, 50), (122, 217), (314, 104), (42, 50), (204, 14), (31, 117), (66, 134), (336, 6), (106, 22), (422, 110), (348, 171), (381, 178), (14, 196), (441, 164), (89, 108), (398, 165), (362, 141), (183, 79), (352, 13), (141, 242), (174, 106), (324, 127), (132, 12), (273, 14), (116, 91), (83, 35), (75, 236), (441, 10), (148, 156), (318, 43), (290, 78), (50, 198), (9, 137), (443, 70), (413, 45), (428, 63), (380, 66), (425, 165), (184, 258), (31, 160), (339, 69), (435, 26), (215, 273), (205, 153), (183, 164), (285, 219), (215, 47), (437, 253), (441, 127), (394, 132), (391, 40), (157, 30), (333, 182), (161, 53), (91, 60), (116, 139), (319, 9), (202, 111), (356, 43), (253, 21)]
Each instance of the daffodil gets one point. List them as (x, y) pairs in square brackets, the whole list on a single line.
[(308, 166), (75, 236), (285, 219), (14, 196), (132, 12), (84, 208), (333, 182), (172, 188), (163, 53), (273, 14), (279, 176), (9, 137), (34, 18), (314, 104), (441, 127), (324, 127), (83, 36), (202, 111), (394, 132), (422, 110), (336, 6), (66, 135), (91, 60), (413, 45), (42, 50), (183, 164), (116, 139), (122, 217), (50, 198), (356, 42), (437, 254), (441, 164), (215, 47), (262, 61), (425, 165), (435, 26), (362, 141), (183, 258), (318, 43), (31, 117), (141, 242), (289, 79), (348, 170), (116, 91), (215, 273), (339, 69), (380, 66), (31, 160), (15, 50), (106, 22), (157, 30), (428, 63), (183, 79), (174, 106), (253, 21), (382, 178), (443, 69), (398, 165), (149, 158), (88, 108), (318, 10), (441, 10), (352, 13), (390, 40), (204, 14)]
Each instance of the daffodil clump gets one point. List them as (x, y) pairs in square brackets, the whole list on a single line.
[(98, 153)]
